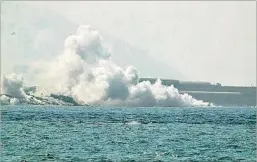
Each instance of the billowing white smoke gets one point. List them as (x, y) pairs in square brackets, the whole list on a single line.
[(85, 72), (13, 84)]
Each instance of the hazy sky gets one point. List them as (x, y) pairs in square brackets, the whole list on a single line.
[(206, 41)]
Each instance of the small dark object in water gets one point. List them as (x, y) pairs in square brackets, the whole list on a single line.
[(49, 156)]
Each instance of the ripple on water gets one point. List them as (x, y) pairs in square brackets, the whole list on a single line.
[(128, 134)]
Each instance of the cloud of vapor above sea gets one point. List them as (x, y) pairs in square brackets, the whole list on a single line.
[(86, 72)]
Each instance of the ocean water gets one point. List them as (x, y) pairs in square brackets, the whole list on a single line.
[(50, 133)]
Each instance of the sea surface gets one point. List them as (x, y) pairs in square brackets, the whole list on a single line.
[(56, 133)]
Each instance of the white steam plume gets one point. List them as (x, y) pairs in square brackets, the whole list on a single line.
[(86, 72), (13, 84)]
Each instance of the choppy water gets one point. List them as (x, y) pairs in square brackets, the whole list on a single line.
[(128, 134)]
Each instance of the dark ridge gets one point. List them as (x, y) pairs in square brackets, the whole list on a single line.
[(66, 99), (27, 90), (217, 94), (6, 95)]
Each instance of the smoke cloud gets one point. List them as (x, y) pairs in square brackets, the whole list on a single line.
[(85, 72), (13, 84)]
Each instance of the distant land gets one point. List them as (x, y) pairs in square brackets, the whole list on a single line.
[(214, 93)]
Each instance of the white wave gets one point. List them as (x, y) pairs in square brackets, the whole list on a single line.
[(133, 123)]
